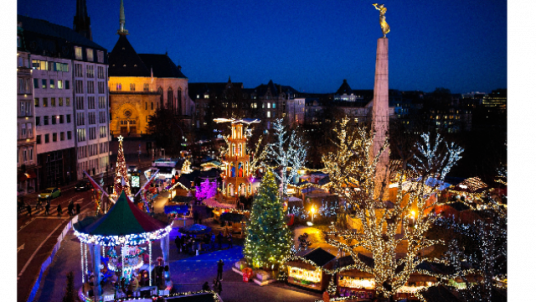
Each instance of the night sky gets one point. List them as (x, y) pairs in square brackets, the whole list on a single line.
[(310, 45)]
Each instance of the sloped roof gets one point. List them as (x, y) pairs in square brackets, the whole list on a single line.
[(124, 61), (217, 88), (345, 88), (42, 36), (439, 294), (319, 256), (162, 66), (124, 218)]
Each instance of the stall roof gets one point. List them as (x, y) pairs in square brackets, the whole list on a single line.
[(319, 256), (124, 218)]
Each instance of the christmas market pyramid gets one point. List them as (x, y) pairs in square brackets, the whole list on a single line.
[(124, 218), (121, 181)]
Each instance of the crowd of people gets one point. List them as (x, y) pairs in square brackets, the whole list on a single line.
[(190, 244), (72, 208)]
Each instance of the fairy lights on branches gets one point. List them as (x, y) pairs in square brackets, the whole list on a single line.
[(289, 153), (352, 170)]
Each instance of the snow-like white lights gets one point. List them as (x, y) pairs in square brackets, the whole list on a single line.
[(132, 239)]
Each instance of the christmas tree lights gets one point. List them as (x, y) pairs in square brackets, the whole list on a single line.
[(268, 238), (121, 182)]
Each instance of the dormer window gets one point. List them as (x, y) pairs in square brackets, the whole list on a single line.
[(78, 52)]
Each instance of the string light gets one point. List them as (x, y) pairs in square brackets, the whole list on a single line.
[(352, 171)]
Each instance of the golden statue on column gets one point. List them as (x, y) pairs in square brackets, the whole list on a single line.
[(385, 27)]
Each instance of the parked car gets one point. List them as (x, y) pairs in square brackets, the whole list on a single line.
[(83, 185), (52, 192)]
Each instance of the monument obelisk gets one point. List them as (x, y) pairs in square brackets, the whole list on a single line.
[(380, 110)]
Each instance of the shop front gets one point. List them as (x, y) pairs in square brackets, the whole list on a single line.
[(310, 274)]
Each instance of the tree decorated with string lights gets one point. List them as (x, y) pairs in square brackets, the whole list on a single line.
[(206, 190), (352, 171), (287, 152), (121, 182), (268, 238)]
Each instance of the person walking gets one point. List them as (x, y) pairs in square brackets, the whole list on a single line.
[(178, 244), (59, 210), (29, 210), (218, 287), (47, 208), (220, 238), (70, 207), (196, 217), (220, 270), (206, 286), (230, 240)]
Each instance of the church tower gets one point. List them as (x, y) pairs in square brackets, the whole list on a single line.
[(122, 30), (81, 23)]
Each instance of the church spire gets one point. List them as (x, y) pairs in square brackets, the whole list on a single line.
[(81, 23), (122, 31)]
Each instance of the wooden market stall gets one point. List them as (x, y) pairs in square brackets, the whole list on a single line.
[(309, 274)]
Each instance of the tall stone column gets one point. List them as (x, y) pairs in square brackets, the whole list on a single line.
[(380, 119)]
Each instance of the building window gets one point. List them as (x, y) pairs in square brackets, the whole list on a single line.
[(151, 105), (54, 137), (53, 119), (132, 87), (80, 119), (36, 83), (102, 117), (92, 133), (69, 135), (89, 53), (45, 120), (101, 87), (91, 102), (38, 121), (68, 118), (47, 138), (23, 131), (53, 102), (145, 87), (206, 96), (90, 87), (273, 105), (45, 102), (91, 119), (44, 83), (90, 72), (38, 140), (102, 102), (102, 131), (60, 102), (78, 70), (268, 115), (62, 136), (100, 56), (67, 102), (79, 103), (36, 102), (78, 52), (118, 87), (79, 87), (100, 72), (61, 119), (81, 134)]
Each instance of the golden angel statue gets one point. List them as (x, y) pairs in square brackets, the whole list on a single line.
[(383, 23)]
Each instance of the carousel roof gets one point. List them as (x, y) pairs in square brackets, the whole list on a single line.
[(124, 218)]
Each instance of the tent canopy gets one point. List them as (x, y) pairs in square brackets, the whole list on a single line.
[(124, 218)]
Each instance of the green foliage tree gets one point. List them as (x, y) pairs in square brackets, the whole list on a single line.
[(166, 129), (69, 295), (268, 238)]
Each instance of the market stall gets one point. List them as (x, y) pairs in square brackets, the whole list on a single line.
[(309, 273)]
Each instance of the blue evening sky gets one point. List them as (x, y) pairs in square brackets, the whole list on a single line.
[(310, 45)]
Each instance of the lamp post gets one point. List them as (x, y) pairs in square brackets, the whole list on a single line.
[(313, 214)]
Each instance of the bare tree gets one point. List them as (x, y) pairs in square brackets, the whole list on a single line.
[(288, 153), (352, 169)]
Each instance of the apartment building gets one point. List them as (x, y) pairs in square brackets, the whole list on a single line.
[(26, 150), (70, 79)]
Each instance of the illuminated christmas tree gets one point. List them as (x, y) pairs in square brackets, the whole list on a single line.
[(268, 238), (121, 182)]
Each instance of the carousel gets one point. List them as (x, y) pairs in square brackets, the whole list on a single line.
[(121, 263)]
